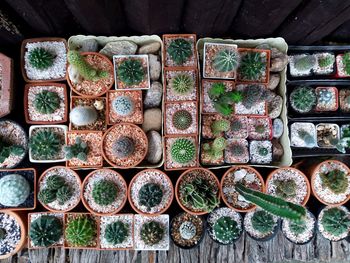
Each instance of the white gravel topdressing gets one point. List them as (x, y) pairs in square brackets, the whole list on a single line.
[(247, 222), (171, 95), (57, 70), (326, 70), (255, 157), (296, 127), (295, 72), (302, 237), (326, 234), (127, 219), (13, 234)]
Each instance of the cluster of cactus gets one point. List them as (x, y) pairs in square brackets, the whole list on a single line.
[(326, 61), (116, 232), (307, 138), (226, 60), (77, 61), (303, 99), (182, 84), (285, 188), (104, 192), (219, 126), (305, 63), (236, 125), (46, 102), (7, 149), (199, 194), (40, 58), (215, 150), (131, 72), (253, 94), (324, 96), (182, 119), (78, 150), (45, 144), (187, 230), (183, 150), (346, 63), (150, 195), (226, 230), (335, 221), (263, 222), (252, 66), (297, 227), (45, 231), (152, 232), (336, 180), (123, 105), (123, 147), (14, 190), (80, 231), (83, 115), (223, 100), (263, 151), (180, 50), (56, 189)]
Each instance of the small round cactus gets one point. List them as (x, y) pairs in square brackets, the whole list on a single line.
[(226, 60), (80, 231), (285, 188), (237, 150), (77, 150), (326, 61), (187, 230), (40, 58), (252, 66), (131, 72), (46, 102), (123, 105), (297, 227), (303, 99), (183, 150), (54, 182), (262, 151), (305, 63), (226, 229), (324, 96), (47, 196), (116, 232), (64, 194), (14, 190), (182, 120), (152, 232), (179, 50), (263, 222), (335, 221), (123, 147), (104, 192), (219, 126), (150, 195), (236, 125), (45, 144), (45, 231), (182, 84), (83, 115)]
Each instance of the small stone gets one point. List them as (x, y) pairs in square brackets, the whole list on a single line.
[(241, 198), (152, 120), (250, 178), (277, 128), (275, 53), (239, 175), (119, 48), (149, 48), (274, 81), (154, 66), (153, 96), (277, 150), (155, 148), (88, 45), (99, 105), (275, 107), (74, 75), (263, 46), (278, 64)]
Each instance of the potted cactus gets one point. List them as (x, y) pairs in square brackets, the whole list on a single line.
[(181, 118), (236, 151), (260, 152), (302, 65), (343, 65), (7, 90), (238, 128), (260, 128), (344, 100), (303, 134), (325, 63), (225, 226), (303, 99), (327, 99), (212, 152), (252, 101), (327, 135), (150, 192)]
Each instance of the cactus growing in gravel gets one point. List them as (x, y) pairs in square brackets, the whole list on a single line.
[(253, 94), (2, 233), (152, 232), (325, 61), (183, 150), (45, 231), (40, 58), (285, 188), (123, 105), (236, 125), (54, 182), (83, 115), (104, 192), (303, 99), (346, 63), (116, 232), (252, 66), (78, 150), (215, 150), (335, 221), (150, 195), (123, 147), (336, 180), (47, 196), (46, 102), (260, 128), (263, 151), (324, 96), (64, 194), (80, 231), (7, 149), (305, 63), (219, 126), (308, 139), (14, 190), (236, 149), (131, 72), (226, 60), (226, 229), (263, 222), (182, 84), (187, 230), (182, 120), (45, 145), (297, 227), (179, 50)]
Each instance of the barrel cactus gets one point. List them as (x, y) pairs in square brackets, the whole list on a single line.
[(226, 230), (182, 120), (263, 222), (335, 221), (104, 192), (180, 50), (226, 60), (81, 231), (187, 230), (47, 196), (219, 126), (123, 147), (183, 150), (7, 149), (64, 194), (253, 66), (45, 231), (14, 190), (131, 72), (326, 61), (116, 232), (285, 188), (77, 150), (45, 145), (150, 195), (83, 115), (305, 63), (303, 99), (46, 102), (41, 58), (152, 232), (335, 180), (182, 84), (297, 227), (123, 105), (54, 182)]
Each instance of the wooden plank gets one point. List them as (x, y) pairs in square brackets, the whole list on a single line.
[(9, 32), (341, 34)]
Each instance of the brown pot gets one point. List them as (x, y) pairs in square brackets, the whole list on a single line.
[(85, 202), (106, 88), (229, 171), (131, 201), (177, 189), (26, 111), (6, 91), (307, 196), (23, 50), (336, 99)]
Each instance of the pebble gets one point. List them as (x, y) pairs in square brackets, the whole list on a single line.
[(153, 96), (149, 48), (277, 128), (274, 81), (152, 120), (155, 148), (275, 107), (74, 75), (277, 150), (276, 53), (279, 63), (88, 45), (154, 66), (119, 48)]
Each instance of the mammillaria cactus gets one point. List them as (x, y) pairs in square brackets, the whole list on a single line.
[(40, 58), (77, 150), (326, 61), (116, 232), (45, 231), (45, 144), (47, 196), (131, 72), (335, 221), (226, 60), (226, 229), (182, 119), (6, 149), (150, 195), (252, 66), (123, 147), (80, 231), (215, 150), (46, 102), (180, 50), (152, 232), (64, 194), (263, 222), (305, 63), (336, 180), (219, 126), (285, 188), (303, 99), (252, 95), (183, 150), (104, 192), (187, 230), (83, 115), (324, 96), (123, 105), (182, 84), (14, 190), (54, 182)]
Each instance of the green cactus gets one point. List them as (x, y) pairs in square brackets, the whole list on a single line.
[(236, 125), (253, 94), (305, 63), (54, 182), (182, 120), (123, 147), (180, 50), (45, 231), (152, 232), (80, 231), (150, 195), (263, 222), (183, 151), (45, 145), (215, 150), (131, 72), (77, 150), (14, 190), (219, 126), (7, 149), (64, 194), (346, 63), (297, 227), (116, 232), (335, 221), (260, 128), (46, 102), (47, 196), (252, 66), (308, 139), (226, 60), (236, 150), (123, 105), (226, 229), (77, 61), (2, 234), (263, 151), (336, 180), (187, 230), (303, 99), (104, 192), (326, 61), (40, 58), (83, 115), (285, 188), (182, 84)]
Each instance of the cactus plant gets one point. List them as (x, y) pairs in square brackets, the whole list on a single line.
[(131, 72), (123, 147), (305, 63), (236, 150), (150, 195), (182, 120), (45, 145), (56, 189), (259, 128), (77, 61), (346, 63), (308, 139), (187, 230), (253, 94), (214, 151), (45, 231), (180, 50), (335, 180), (64, 194), (116, 232), (325, 61), (297, 227), (219, 126), (183, 150), (80, 231), (40, 58), (226, 60), (104, 192), (303, 99), (46, 102), (324, 96), (335, 221), (54, 182), (47, 196), (182, 84), (226, 230), (14, 190), (285, 188), (123, 105), (263, 222), (7, 149), (78, 150), (83, 115), (252, 67), (152, 232), (263, 151)]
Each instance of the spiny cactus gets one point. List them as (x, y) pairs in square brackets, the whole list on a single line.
[(116, 232), (14, 190), (263, 222), (45, 145), (131, 72), (152, 232), (346, 63), (77, 61), (80, 231), (263, 151), (56, 189), (104, 192), (236, 150), (285, 188), (78, 150), (45, 231), (336, 180), (305, 63), (335, 221), (54, 182), (40, 58), (271, 204), (64, 194), (308, 139), (187, 230), (182, 84), (215, 150), (46, 102), (123, 105), (252, 66), (83, 115), (150, 195), (297, 227), (259, 128), (253, 94), (226, 229), (324, 96), (183, 151), (226, 60), (326, 61), (182, 120), (303, 99), (219, 126), (236, 125), (123, 147), (180, 50), (47, 196), (7, 149)]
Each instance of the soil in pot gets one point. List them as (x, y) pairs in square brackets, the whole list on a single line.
[(181, 85), (327, 134), (327, 99), (181, 118), (259, 128), (260, 225), (237, 151)]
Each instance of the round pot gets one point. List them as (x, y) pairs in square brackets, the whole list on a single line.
[(227, 174), (269, 237), (86, 203)]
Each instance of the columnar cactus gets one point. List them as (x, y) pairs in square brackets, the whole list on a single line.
[(226, 230), (123, 105), (182, 84), (14, 190), (80, 231), (226, 60), (116, 232), (131, 72), (263, 222), (150, 195), (303, 99), (40, 58), (187, 230), (183, 150), (123, 147), (104, 192), (83, 115), (335, 221), (182, 120), (335, 180), (180, 50), (78, 150), (219, 126), (46, 102), (152, 232), (45, 231), (45, 145)]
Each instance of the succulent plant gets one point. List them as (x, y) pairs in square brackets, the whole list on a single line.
[(88, 72), (326, 61), (308, 139), (152, 232), (215, 150), (182, 120), (45, 145), (83, 115), (80, 231), (123, 147), (7, 149), (253, 94), (226, 60), (324, 96), (46, 102), (116, 232), (104, 192), (236, 125), (305, 63), (187, 230), (64, 194), (45, 231), (259, 128), (54, 182), (335, 221), (47, 196), (123, 105), (78, 150), (226, 229), (182, 84), (14, 190), (263, 222), (131, 72), (2, 234), (219, 126), (180, 50), (253, 66), (303, 99), (150, 195), (346, 63), (236, 149), (40, 58), (336, 180), (297, 227), (285, 188), (263, 151), (183, 150)]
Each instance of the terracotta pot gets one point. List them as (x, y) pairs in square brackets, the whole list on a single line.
[(99, 94), (85, 202), (131, 201), (23, 50), (26, 111), (271, 174), (6, 92), (228, 172), (178, 183)]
